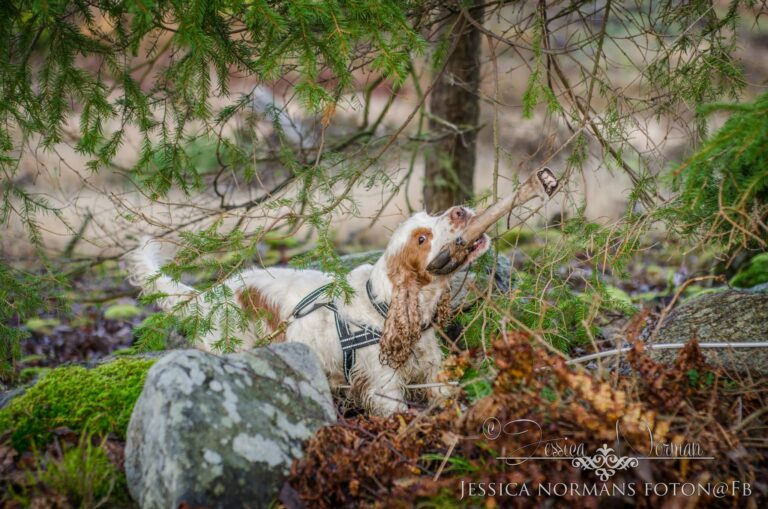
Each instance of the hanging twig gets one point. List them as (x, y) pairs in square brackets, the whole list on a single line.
[(669, 346)]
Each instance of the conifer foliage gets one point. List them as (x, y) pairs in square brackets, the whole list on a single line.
[(107, 62), (169, 80), (211, 41), (724, 186)]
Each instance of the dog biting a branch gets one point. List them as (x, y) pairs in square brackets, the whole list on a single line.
[(542, 184)]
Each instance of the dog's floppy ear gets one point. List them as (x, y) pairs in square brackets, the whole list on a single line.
[(407, 273), (443, 313), (402, 328)]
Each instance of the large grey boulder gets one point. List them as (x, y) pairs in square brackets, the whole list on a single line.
[(222, 431), (726, 316)]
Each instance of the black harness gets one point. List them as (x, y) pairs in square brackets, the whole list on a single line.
[(350, 341)]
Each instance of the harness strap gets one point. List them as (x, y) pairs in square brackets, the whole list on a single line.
[(298, 311), (350, 341), (381, 307)]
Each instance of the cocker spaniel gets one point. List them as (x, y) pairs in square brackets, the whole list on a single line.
[(377, 342)]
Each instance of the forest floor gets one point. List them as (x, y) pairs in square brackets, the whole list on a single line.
[(426, 454)]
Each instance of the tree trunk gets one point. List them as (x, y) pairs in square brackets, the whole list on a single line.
[(454, 106)]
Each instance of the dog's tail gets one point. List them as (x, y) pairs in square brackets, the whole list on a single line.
[(144, 272)]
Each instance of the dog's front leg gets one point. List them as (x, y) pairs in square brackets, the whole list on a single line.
[(382, 391), (430, 365), (442, 391)]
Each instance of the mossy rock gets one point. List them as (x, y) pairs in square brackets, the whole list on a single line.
[(515, 237), (223, 430), (81, 321), (618, 299), (42, 325), (521, 236), (278, 240), (659, 276), (122, 312), (98, 400), (753, 274)]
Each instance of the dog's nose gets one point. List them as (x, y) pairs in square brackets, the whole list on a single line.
[(459, 216)]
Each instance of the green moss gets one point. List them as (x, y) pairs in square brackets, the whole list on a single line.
[(81, 321), (29, 359), (28, 374), (445, 498), (704, 291), (122, 312), (42, 325), (659, 276), (618, 299), (278, 240), (124, 351), (99, 400), (514, 237), (520, 236), (754, 274)]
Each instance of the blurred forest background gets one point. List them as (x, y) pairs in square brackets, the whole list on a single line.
[(270, 140), (274, 132)]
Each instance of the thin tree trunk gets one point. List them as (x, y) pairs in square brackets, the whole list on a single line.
[(454, 105)]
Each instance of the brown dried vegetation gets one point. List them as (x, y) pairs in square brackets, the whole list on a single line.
[(393, 462)]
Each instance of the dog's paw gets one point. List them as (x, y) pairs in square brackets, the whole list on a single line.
[(385, 408), (443, 392)]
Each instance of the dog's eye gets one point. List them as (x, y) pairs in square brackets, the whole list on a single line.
[(459, 213), (422, 239)]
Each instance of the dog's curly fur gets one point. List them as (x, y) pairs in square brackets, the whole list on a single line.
[(408, 350)]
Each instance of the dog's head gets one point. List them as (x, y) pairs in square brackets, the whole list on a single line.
[(412, 247)]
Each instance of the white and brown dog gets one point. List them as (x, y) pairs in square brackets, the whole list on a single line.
[(379, 341)]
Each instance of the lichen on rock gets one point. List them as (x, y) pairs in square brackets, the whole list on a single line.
[(223, 431), (726, 316)]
